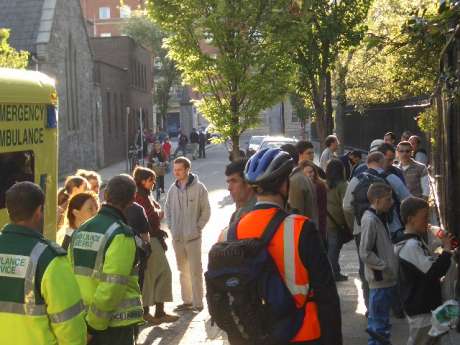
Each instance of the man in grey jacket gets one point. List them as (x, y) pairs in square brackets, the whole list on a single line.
[(187, 211)]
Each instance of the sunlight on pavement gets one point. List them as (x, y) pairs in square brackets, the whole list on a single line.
[(360, 305)]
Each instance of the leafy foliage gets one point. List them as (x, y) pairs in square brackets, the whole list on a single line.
[(324, 30), (145, 32), (9, 57), (399, 57), (235, 53)]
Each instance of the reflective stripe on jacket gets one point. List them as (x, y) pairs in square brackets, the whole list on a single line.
[(103, 256), (284, 250), (50, 312)]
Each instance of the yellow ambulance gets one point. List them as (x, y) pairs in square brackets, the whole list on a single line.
[(29, 138)]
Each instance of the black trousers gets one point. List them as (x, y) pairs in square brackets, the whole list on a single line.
[(202, 151), (115, 336)]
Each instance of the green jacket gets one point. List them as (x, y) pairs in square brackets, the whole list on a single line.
[(103, 257), (335, 209), (40, 302)]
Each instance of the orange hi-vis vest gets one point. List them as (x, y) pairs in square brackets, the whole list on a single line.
[(283, 248)]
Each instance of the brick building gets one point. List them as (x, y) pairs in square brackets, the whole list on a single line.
[(123, 75), (54, 34), (107, 16)]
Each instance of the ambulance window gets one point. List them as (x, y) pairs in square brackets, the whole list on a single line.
[(15, 167)]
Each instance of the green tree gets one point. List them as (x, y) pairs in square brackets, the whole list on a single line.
[(145, 32), (325, 29), (235, 53), (9, 57), (399, 57)]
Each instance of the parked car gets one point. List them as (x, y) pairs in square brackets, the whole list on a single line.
[(254, 144), (276, 142)]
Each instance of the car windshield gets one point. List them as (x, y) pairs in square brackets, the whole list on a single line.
[(273, 144), (256, 140)]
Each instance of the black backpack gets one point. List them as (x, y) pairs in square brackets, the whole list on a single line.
[(246, 295), (360, 201)]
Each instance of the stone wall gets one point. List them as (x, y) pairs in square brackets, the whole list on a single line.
[(68, 58)]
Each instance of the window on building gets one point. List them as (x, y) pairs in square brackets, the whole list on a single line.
[(115, 111), (15, 167), (106, 34), (104, 12), (295, 117), (122, 114), (109, 114), (125, 11), (71, 84)]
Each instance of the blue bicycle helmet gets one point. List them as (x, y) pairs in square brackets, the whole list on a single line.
[(268, 166)]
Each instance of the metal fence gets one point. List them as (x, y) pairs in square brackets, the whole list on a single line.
[(360, 129)]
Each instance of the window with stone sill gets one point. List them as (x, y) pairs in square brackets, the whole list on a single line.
[(104, 12), (125, 12)]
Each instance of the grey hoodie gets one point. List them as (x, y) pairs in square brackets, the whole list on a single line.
[(187, 210), (377, 252)]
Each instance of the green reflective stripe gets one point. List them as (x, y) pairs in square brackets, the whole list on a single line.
[(100, 313), (29, 280), (101, 253), (113, 279), (102, 277), (133, 302), (67, 314), (22, 309), (84, 271), (129, 315), (127, 303)]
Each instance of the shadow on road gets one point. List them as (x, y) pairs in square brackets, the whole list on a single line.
[(170, 335)]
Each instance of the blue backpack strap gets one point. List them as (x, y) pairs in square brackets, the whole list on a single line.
[(273, 225)]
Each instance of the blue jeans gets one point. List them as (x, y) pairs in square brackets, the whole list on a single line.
[(334, 245), (380, 301)]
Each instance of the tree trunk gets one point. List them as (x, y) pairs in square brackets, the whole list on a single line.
[(236, 147), (328, 104), (235, 124), (339, 125)]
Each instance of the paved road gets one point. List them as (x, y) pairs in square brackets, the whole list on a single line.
[(196, 328)]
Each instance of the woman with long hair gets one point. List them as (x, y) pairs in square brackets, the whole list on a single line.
[(72, 186), (82, 207), (157, 287), (339, 224), (311, 171)]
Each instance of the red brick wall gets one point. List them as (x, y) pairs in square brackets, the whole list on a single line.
[(112, 25)]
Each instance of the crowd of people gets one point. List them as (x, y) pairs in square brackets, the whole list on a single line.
[(116, 268), (381, 202)]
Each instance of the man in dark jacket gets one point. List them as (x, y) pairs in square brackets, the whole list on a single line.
[(182, 144), (194, 140), (202, 144)]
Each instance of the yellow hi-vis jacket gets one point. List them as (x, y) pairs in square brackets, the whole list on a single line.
[(103, 256), (40, 302)]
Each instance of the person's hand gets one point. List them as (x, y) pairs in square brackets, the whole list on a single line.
[(447, 241), (88, 338)]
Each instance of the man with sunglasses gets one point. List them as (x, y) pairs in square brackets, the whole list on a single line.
[(415, 173)]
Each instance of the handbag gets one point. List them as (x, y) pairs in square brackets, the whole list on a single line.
[(344, 232)]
